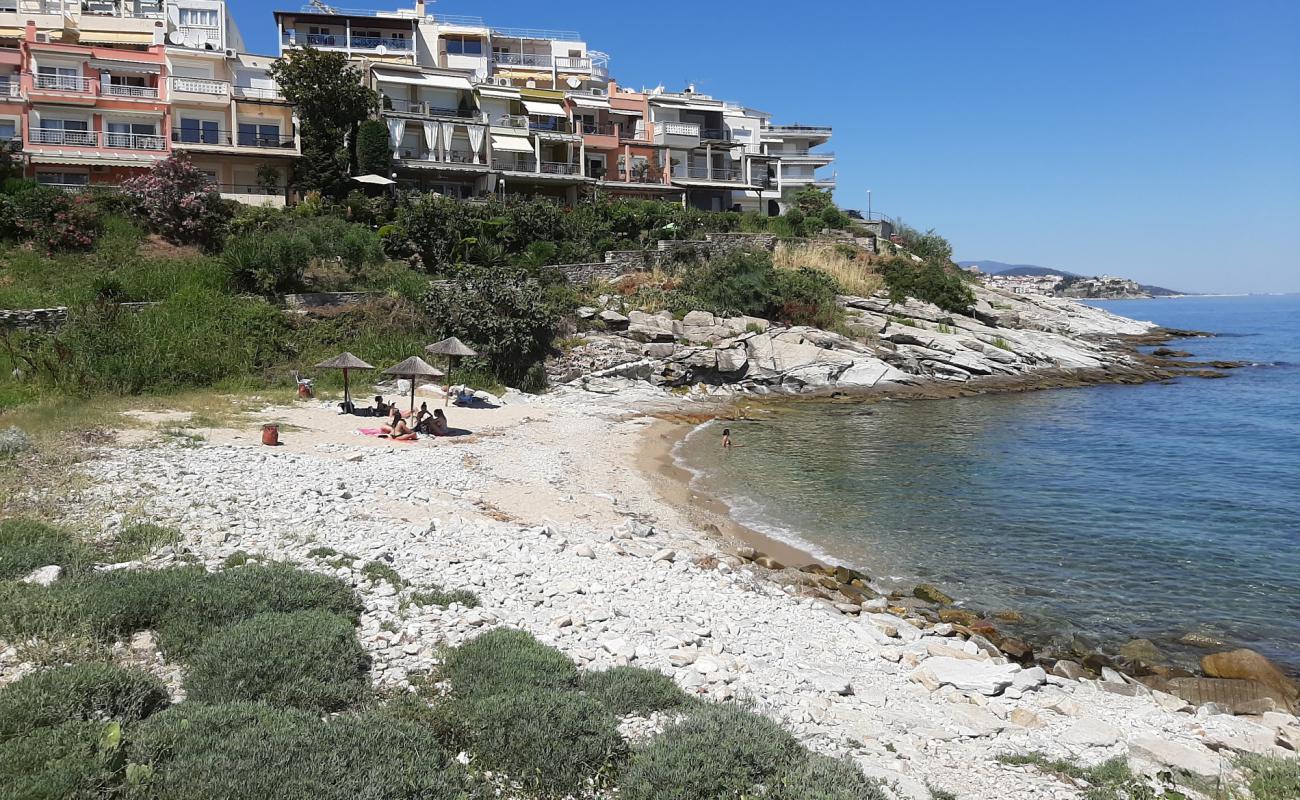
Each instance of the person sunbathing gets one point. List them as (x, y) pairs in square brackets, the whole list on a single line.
[(397, 429), (423, 419), (438, 425)]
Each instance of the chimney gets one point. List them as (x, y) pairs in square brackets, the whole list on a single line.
[(419, 8), (29, 33)]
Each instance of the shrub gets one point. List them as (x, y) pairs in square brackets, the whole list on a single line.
[(79, 692), (26, 545), (818, 777), (552, 742), (374, 152), (64, 762), (271, 263), (248, 750), (277, 259), (504, 660), (740, 283), (932, 282), (377, 571), (718, 751), (308, 660), (805, 297), (1271, 778), (14, 441), (138, 541), (502, 313), (632, 690), (176, 201), (438, 596), (50, 218)]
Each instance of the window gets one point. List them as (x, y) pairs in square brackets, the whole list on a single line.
[(464, 46), (67, 78), (133, 135), (63, 178), (199, 131), (252, 134), (126, 80), (65, 124), (8, 129), (198, 17)]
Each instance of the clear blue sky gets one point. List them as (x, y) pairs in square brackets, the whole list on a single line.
[(1157, 139)]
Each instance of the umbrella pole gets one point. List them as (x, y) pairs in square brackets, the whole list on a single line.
[(413, 380), (446, 396), (345, 388)]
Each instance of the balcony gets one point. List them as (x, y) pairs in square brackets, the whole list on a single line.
[(514, 123), (10, 90), (635, 134), (134, 92), (59, 136), (256, 93), (375, 42), (715, 134), (216, 89), (700, 172), (530, 166), (427, 110), (72, 84), (134, 141), (810, 130), (265, 141), (554, 125), (144, 9), (200, 138), (192, 137), (677, 134), (524, 60), (459, 157), (341, 41), (560, 168), (598, 129)]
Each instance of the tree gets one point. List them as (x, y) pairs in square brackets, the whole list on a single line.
[(331, 99), (176, 201), (812, 201), (374, 152)]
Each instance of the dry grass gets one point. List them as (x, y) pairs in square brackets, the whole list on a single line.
[(855, 273)]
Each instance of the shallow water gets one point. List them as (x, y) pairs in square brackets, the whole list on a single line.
[(1110, 511)]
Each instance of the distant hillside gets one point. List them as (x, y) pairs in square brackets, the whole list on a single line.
[(1002, 268)]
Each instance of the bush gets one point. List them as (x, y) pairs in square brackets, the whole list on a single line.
[(138, 541), (309, 660), (49, 218), (632, 690), (504, 660), (818, 777), (26, 545), (805, 297), (554, 743), (718, 751), (502, 313), (79, 692), (276, 260), (740, 283), (176, 201), (438, 596), (248, 751), (931, 282), (64, 762), (374, 151)]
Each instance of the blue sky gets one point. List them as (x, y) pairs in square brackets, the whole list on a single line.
[(1157, 139)]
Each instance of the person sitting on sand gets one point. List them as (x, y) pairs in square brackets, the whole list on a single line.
[(423, 419), (397, 429), (381, 408), (438, 425)]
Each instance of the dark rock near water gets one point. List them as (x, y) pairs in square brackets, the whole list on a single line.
[(959, 616), (1143, 650), (931, 593), (1249, 665), (1070, 670)]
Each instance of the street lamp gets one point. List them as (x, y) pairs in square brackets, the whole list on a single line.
[(501, 185), (868, 205)]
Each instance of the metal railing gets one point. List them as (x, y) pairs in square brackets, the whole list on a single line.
[(244, 139), (635, 134), (185, 136), (452, 156), (248, 188), (256, 93), (190, 136), (342, 40), (550, 125), (537, 33), (459, 19), (124, 90), (376, 42), (803, 154), (200, 86), (810, 129), (699, 172), (64, 83), (648, 175), (510, 121), (427, 110), (716, 134), (149, 9), (10, 90), (535, 60), (560, 168), (598, 128), (514, 165), (134, 141), (72, 138), (678, 128), (573, 63), (71, 188)]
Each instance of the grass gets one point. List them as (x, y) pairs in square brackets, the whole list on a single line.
[(377, 571), (908, 321), (78, 692), (632, 690), (1109, 780), (309, 660), (64, 762), (139, 540), (1271, 778), (1001, 343), (26, 545), (502, 661), (855, 275), (438, 596)]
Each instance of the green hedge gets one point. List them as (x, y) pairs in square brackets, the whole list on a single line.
[(78, 692), (505, 661), (632, 690)]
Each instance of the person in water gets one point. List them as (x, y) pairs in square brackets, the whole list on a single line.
[(726, 439)]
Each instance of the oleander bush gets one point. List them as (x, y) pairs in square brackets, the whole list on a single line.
[(62, 762), (503, 661), (78, 692), (175, 200), (250, 751), (717, 751), (308, 659), (26, 545), (48, 218), (555, 743), (632, 690)]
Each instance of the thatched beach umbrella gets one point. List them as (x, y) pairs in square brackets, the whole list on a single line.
[(413, 368), (451, 348), (345, 362)]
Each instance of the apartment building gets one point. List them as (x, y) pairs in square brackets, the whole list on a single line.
[(619, 148), (702, 153), (797, 163)]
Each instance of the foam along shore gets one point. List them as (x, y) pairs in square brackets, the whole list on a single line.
[(545, 514), (1007, 342)]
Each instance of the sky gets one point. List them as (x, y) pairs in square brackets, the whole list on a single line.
[(1153, 139)]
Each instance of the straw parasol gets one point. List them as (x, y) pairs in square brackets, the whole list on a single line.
[(345, 362), (451, 348), (413, 368)]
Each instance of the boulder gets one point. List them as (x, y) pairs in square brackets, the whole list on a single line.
[(1169, 756), (613, 319), (732, 359), (1090, 732), (1141, 650), (984, 677), (931, 593), (1070, 670), (1249, 665), (44, 576), (699, 318), (961, 616), (1226, 692), (767, 562)]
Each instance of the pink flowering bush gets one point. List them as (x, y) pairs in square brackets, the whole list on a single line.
[(50, 218), (176, 201)]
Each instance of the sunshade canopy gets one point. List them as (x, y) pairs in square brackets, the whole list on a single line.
[(378, 180), (451, 347), (414, 367), (544, 109), (511, 144), (589, 101), (423, 79), (344, 361)]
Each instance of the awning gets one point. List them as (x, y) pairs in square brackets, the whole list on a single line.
[(376, 180), (589, 101), (82, 161), (511, 144), (423, 79), (626, 112), (122, 65), (488, 90), (544, 109)]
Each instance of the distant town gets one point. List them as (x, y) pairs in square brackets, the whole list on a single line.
[(1033, 279)]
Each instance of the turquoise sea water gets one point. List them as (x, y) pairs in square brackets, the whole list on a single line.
[(1112, 511)]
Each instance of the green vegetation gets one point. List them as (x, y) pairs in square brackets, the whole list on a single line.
[(63, 762), (139, 540), (81, 692), (438, 596), (504, 660), (374, 150), (26, 545), (932, 282), (379, 571), (632, 690), (309, 660), (1271, 778), (1109, 780)]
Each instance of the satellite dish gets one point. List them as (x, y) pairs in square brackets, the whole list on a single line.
[(176, 37), (191, 41), (381, 50), (531, 84), (574, 83)]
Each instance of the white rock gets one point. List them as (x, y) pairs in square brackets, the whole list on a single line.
[(665, 554), (972, 676), (1091, 732), (584, 551), (1161, 753), (44, 576)]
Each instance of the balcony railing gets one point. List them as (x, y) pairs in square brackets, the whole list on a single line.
[(716, 134), (71, 188), (248, 188), (573, 64), (201, 86), (560, 168), (818, 130), (264, 140), (634, 134), (648, 175), (341, 40), (428, 110), (72, 138), (550, 125), (803, 154), (376, 42), (64, 83), (514, 165), (678, 128), (533, 60), (123, 90), (702, 173), (184, 136), (513, 122), (598, 129), (452, 157), (134, 141), (146, 9), (10, 90), (256, 93)]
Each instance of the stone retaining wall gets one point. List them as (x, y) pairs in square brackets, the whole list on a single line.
[(33, 319)]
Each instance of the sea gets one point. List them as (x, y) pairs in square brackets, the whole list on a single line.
[(1101, 514)]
